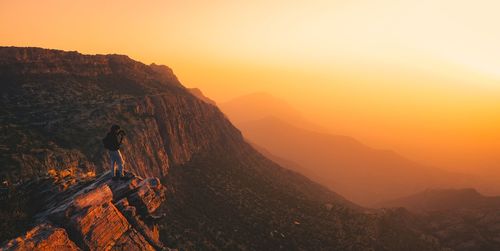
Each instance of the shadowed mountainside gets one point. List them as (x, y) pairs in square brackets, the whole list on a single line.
[(445, 199), (461, 218), (221, 194)]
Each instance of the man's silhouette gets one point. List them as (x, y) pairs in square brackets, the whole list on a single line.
[(112, 142)]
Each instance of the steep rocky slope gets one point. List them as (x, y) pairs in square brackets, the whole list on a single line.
[(58, 105), (221, 193)]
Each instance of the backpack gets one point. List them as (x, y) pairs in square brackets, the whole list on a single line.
[(108, 142)]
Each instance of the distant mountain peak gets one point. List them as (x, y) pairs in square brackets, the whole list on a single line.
[(260, 105)]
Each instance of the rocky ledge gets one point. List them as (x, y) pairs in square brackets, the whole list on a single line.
[(102, 214)]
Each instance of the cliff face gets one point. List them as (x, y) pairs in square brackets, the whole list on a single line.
[(58, 105), (221, 193)]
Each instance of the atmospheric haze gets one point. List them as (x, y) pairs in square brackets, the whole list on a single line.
[(420, 78)]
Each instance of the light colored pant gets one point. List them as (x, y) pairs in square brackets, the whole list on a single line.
[(116, 158)]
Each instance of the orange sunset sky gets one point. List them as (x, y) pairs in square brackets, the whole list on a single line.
[(419, 77)]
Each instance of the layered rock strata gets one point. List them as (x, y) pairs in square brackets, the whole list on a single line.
[(104, 214)]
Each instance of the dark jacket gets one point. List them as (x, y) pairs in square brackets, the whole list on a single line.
[(115, 141)]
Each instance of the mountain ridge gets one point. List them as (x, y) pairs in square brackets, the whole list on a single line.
[(340, 162)]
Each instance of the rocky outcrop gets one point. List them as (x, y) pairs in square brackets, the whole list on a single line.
[(42, 237), (101, 215), (39, 61)]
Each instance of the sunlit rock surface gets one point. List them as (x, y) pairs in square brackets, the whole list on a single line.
[(98, 216), (42, 237)]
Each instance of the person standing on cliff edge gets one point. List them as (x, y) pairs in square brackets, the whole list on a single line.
[(112, 142)]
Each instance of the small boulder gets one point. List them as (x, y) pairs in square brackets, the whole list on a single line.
[(148, 196)]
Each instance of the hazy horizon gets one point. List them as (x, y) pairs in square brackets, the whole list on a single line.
[(421, 78), (316, 125)]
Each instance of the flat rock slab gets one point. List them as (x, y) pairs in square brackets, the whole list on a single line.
[(96, 196), (99, 226)]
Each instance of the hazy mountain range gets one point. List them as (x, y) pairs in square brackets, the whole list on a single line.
[(355, 170)]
